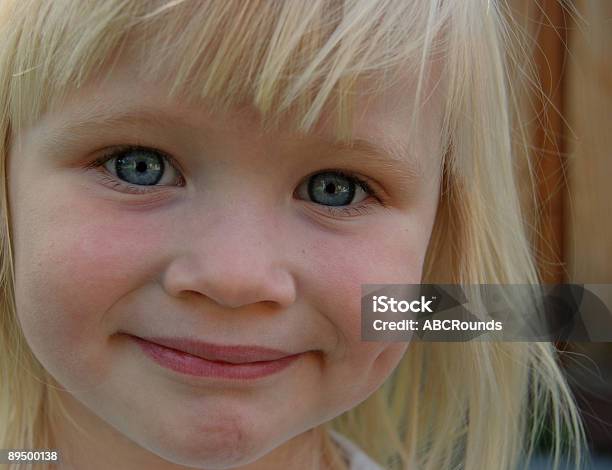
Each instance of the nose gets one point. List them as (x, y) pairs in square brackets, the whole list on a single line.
[(235, 262)]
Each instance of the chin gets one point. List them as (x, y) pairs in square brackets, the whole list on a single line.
[(226, 444)]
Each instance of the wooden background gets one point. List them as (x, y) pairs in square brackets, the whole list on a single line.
[(572, 139)]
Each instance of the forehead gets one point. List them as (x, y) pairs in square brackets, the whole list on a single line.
[(277, 55), (124, 96)]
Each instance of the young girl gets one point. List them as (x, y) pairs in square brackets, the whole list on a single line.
[(195, 194)]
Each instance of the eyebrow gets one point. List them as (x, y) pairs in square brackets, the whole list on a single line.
[(95, 120), (390, 158)]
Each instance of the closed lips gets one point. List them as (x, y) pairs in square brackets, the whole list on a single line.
[(234, 354)]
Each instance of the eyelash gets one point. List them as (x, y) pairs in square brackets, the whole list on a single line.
[(361, 208)]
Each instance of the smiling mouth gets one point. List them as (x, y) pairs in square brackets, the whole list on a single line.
[(215, 361)]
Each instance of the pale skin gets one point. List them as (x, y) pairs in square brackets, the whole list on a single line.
[(239, 254)]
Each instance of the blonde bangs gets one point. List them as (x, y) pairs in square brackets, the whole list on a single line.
[(280, 57)]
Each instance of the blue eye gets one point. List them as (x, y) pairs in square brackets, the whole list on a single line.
[(140, 170), (339, 193), (333, 188), (144, 168), (133, 168)]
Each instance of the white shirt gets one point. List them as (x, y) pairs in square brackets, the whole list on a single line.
[(358, 459)]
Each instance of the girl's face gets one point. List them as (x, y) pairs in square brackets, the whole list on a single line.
[(209, 232)]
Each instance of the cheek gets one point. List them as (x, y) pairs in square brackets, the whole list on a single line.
[(70, 268), (376, 256), (341, 265)]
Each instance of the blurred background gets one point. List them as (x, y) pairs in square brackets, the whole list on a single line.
[(571, 134)]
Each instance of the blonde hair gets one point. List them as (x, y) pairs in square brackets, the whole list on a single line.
[(447, 405)]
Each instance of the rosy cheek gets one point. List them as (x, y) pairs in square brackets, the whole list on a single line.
[(73, 268), (341, 265)]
